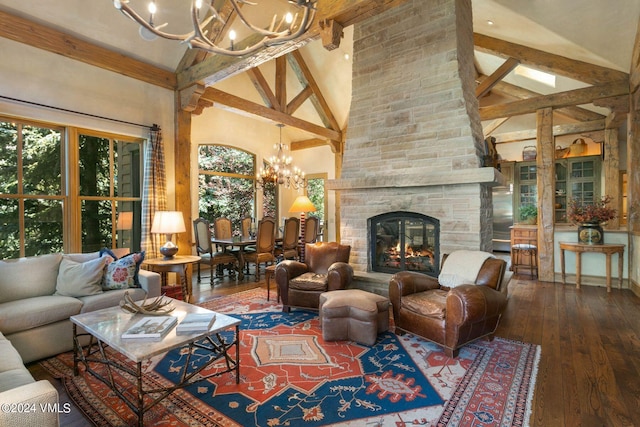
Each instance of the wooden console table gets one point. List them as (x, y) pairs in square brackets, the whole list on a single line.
[(608, 250)]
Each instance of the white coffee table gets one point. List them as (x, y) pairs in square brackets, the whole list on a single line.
[(105, 328)]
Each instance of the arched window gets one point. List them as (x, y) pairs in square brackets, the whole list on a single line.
[(226, 183)]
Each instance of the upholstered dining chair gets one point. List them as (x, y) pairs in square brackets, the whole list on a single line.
[(222, 228), (245, 225), (325, 268), (469, 308), (311, 227), (290, 237), (204, 249), (265, 245)]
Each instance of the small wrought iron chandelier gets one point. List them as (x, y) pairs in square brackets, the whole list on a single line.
[(279, 170), (288, 28)]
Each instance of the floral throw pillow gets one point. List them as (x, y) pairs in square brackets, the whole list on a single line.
[(123, 273)]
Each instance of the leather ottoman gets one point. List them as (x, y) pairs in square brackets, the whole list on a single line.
[(353, 314)]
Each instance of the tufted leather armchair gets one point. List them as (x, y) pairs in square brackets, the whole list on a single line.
[(451, 317), (325, 268)]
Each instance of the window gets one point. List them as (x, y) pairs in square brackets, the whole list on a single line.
[(316, 192), (43, 209), (110, 173), (31, 189), (226, 184)]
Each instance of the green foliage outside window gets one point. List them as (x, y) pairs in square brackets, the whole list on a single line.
[(315, 192), (32, 192), (226, 184)]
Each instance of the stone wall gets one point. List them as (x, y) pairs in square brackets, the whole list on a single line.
[(414, 141)]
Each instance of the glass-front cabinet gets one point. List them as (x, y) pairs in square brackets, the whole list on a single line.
[(527, 184), (561, 191), (577, 177)]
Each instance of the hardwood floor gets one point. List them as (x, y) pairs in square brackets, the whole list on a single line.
[(589, 370)]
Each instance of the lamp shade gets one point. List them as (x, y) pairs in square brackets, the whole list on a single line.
[(125, 221), (302, 204), (168, 222)]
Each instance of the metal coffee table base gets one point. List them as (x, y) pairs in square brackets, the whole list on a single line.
[(94, 352)]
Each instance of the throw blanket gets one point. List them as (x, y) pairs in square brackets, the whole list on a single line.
[(462, 267)]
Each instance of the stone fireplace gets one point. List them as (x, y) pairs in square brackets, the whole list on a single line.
[(414, 140), (404, 241)]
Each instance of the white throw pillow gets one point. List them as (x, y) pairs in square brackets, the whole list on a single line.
[(79, 279)]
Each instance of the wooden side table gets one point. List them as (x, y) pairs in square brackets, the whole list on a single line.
[(179, 265), (608, 250)]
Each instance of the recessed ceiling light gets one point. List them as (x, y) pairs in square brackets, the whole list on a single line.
[(489, 22)]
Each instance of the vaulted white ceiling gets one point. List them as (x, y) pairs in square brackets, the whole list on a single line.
[(594, 31)]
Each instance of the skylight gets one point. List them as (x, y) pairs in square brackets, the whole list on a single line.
[(536, 75)]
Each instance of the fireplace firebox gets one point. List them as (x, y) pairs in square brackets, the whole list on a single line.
[(404, 241)]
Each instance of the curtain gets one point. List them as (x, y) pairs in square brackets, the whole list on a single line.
[(154, 191)]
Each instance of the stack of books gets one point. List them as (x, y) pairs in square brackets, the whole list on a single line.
[(151, 327), (196, 322)]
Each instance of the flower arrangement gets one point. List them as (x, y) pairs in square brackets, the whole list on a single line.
[(594, 213)]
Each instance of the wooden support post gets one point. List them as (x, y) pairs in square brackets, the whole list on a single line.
[(612, 173), (545, 161), (182, 162)]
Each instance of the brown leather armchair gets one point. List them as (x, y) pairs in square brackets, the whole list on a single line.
[(451, 317), (325, 268)]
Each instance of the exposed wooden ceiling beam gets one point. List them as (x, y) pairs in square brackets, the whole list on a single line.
[(299, 99), (634, 72), (577, 113), (25, 31), (558, 130), (261, 85), (617, 103), (235, 103), (281, 83), (556, 100), (491, 127), (615, 119), (485, 86), (216, 68), (556, 64), (308, 143), (227, 14), (316, 142), (305, 77)]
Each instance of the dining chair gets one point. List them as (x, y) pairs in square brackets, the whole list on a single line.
[(245, 224), (311, 229), (204, 249), (265, 245), (222, 228), (311, 226), (289, 247)]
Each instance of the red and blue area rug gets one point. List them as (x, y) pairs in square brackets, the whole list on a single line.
[(289, 376)]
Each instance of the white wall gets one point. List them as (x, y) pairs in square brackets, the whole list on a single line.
[(217, 126), (38, 76)]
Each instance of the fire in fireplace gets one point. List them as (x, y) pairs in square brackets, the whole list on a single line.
[(402, 241)]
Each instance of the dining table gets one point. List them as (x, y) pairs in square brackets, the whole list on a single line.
[(241, 243)]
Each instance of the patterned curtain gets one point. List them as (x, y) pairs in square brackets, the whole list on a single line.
[(154, 191)]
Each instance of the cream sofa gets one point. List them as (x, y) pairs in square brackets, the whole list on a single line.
[(23, 400), (33, 314)]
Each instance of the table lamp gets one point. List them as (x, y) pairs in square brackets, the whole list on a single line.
[(301, 205), (168, 222), (124, 224)]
